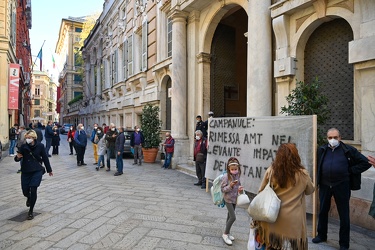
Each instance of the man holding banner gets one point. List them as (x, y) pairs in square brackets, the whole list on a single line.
[(339, 171)]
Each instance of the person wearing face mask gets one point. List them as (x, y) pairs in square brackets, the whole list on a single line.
[(80, 140), (200, 155), (70, 139), (136, 141), (231, 186), (94, 145), (110, 141), (169, 149), (339, 171), (32, 154), (100, 141)]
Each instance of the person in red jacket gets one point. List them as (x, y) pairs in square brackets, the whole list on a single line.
[(169, 149), (70, 139)]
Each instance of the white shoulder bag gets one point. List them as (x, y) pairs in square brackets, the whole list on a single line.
[(266, 205)]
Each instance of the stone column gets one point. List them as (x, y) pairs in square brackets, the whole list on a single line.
[(259, 59), (179, 88)]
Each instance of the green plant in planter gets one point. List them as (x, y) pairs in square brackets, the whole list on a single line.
[(151, 125), (307, 99)]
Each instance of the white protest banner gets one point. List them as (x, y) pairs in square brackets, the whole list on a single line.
[(254, 142)]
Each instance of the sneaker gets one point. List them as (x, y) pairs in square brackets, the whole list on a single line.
[(84, 164), (118, 173), (134, 163), (108, 169), (231, 237), (11, 155), (318, 239), (97, 168), (226, 239)]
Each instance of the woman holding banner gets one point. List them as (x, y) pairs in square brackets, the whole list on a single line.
[(291, 182)]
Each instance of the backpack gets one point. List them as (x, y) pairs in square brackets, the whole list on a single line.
[(217, 195)]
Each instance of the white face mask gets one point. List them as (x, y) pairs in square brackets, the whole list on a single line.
[(167, 137), (113, 129), (333, 142), (82, 128), (95, 127), (28, 140), (197, 137), (138, 129), (99, 132)]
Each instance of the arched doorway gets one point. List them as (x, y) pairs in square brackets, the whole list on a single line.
[(228, 65), (326, 57)]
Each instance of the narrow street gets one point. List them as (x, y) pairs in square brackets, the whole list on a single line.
[(145, 208)]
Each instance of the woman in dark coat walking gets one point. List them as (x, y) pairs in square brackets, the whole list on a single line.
[(32, 154), (55, 140)]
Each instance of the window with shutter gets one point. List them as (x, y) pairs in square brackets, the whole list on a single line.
[(144, 45), (130, 55)]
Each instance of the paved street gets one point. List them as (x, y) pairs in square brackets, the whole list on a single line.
[(146, 208)]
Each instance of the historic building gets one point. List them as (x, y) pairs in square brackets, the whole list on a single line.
[(15, 65), (70, 79), (236, 58), (44, 98)]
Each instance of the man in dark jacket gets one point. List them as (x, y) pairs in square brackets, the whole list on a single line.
[(110, 138), (119, 149), (48, 134), (339, 171), (136, 141), (38, 132), (80, 140), (201, 125)]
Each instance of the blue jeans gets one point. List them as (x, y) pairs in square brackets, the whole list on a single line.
[(11, 147), (48, 145), (341, 193), (109, 153), (119, 162), (100, 160), (168, 158)]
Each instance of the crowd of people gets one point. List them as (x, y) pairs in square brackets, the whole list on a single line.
[(339, 171)]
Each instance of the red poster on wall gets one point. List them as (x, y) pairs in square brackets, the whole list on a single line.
[(14, 83)]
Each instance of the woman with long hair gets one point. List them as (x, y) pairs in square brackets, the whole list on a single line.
[(291, 182)]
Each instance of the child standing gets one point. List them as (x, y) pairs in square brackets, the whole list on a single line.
[(99, 139), (231, 186)]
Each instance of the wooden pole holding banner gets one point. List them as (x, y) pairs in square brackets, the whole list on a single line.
[(315, 194)]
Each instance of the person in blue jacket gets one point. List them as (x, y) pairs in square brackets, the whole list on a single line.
[(33, 154), (80, 139), (48, 135)]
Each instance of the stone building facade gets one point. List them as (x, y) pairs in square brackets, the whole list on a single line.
[(236, 58), (15, 53)]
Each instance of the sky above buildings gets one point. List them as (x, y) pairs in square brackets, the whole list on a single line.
[(46, 21)]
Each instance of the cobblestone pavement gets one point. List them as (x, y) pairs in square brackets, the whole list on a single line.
[(145, 208)]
